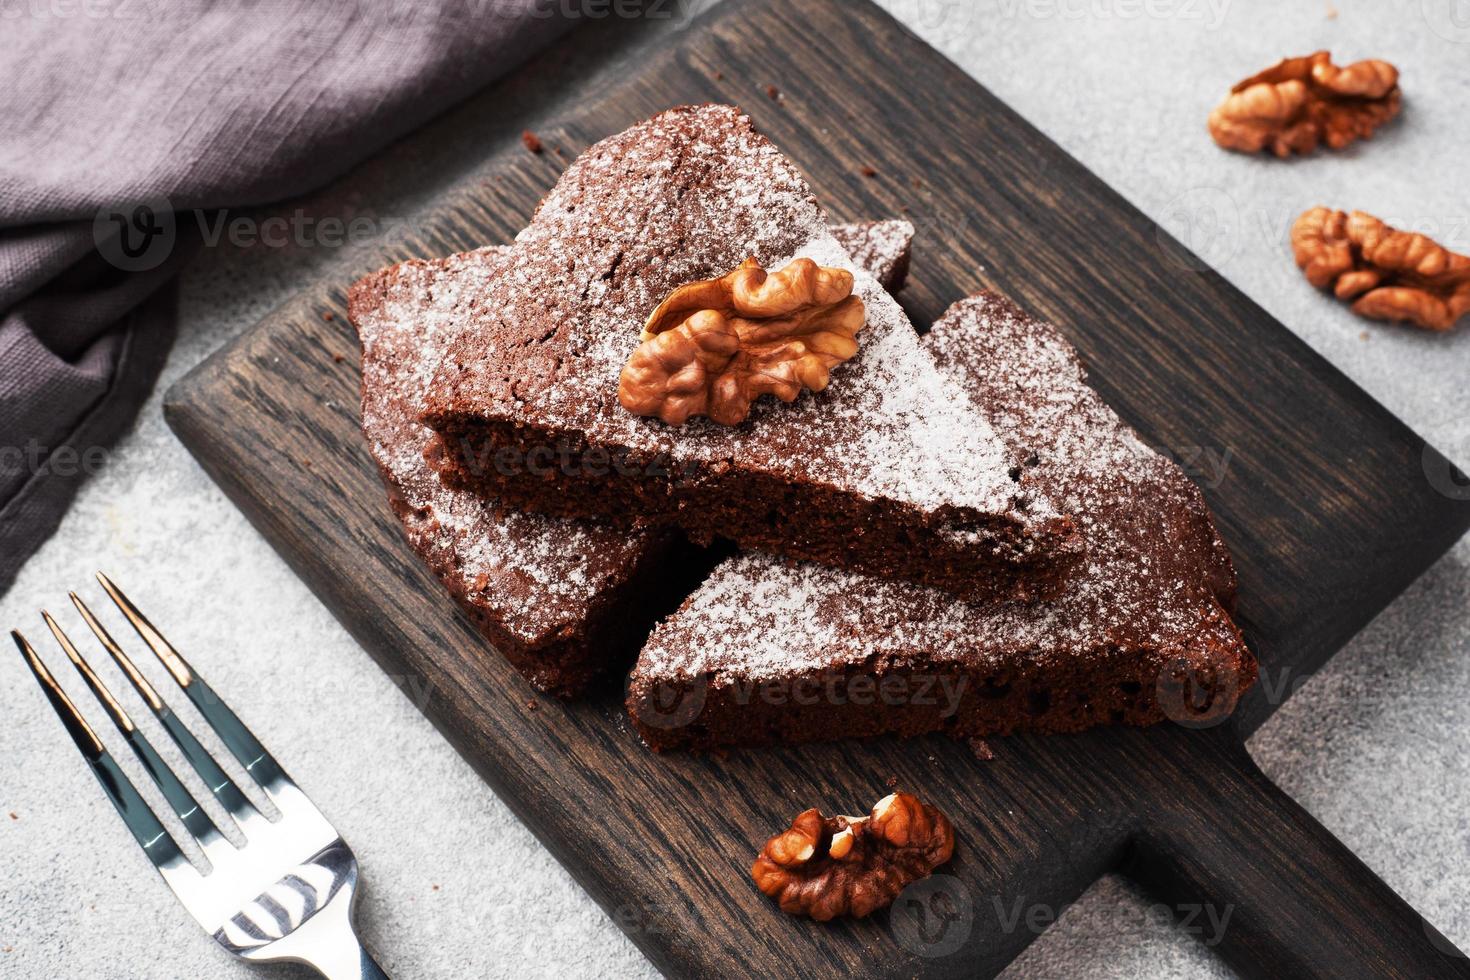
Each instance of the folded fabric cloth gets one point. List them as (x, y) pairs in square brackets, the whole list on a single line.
[(116, 116)]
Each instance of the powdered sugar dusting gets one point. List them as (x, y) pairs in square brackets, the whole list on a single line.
[(688, 196), (1153, 579), (536, 576), (881, 247)]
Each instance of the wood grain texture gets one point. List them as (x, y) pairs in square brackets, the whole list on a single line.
[(1325, 504)]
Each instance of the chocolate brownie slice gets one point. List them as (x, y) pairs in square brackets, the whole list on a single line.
[(770, 651), (565, 601), (889, 469)]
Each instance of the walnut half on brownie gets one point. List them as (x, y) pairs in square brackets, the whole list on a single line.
[(889, 469), (775, 651), (564, 601)]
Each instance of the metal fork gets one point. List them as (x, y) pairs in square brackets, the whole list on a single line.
[(289, 892)]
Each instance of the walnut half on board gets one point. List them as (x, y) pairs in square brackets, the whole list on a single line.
[(824, 867), (1301, 103), (1387, 274), (713, 347)]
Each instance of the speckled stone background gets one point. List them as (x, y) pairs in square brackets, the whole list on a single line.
[(1376, 746)]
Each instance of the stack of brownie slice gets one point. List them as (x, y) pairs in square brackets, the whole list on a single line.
[(890, 470), (565, 601), (960, 514)]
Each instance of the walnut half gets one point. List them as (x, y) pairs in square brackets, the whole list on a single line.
[(713, 347), (1387, 274), (1302, 102), (830, 866)]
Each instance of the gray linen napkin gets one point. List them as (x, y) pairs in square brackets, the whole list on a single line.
[(116, 113)]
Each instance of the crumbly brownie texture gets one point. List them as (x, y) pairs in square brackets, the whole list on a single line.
[(565, 601), (889, 469), (554, 597), (770, 651), (881, 247)]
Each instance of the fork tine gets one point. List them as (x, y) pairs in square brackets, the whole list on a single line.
[(219, 782), (140, 820), (195, 820), (232, 731)]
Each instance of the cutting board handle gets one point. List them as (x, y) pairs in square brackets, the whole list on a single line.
[(1225, 848)]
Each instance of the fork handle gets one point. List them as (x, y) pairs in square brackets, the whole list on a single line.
[(349, 960), (330, 944), (327, 941)]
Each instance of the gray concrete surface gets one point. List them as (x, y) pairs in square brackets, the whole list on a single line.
[(1376, 746)]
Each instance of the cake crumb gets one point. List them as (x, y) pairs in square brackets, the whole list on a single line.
[(434, 887), (719, 76), (338, 358), (1331, 11), (891, 782), (982, 749), (869, 171), (532, 704), (1363, 335), (328, 316), (532, 141), (773, 93), (14, 815)]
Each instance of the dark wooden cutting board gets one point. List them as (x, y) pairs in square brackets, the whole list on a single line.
[(1328, 502)]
